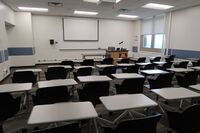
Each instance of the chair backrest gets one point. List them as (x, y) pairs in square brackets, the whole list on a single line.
[(124, 61), (9, 106), (162, 81), (149, 67), (61, 129), (92, 91), (51, 95), (156, 59), (71, 63), (131, 69), (24, 77), (192, 77), (186, 122), (182, 64), (141, 60), (87, 62), (109, 70), (107, 61), (56, 73), (131, 86), (141, 125), (196, 63), (84, 71)]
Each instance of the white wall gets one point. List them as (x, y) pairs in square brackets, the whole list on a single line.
[(185, 29), (111, 32), (6, 15), (21, 36)]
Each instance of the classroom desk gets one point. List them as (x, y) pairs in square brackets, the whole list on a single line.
[(93, 78), (77, 67), (143, 64), (65, 66), (196, 87), (60, 112), (35, 70), (56, 82), (153, 72), (197, 68), (125, 64), (179, 70), (103, 66), (17, 87), (176, 93), (160, 63), (127, 75)]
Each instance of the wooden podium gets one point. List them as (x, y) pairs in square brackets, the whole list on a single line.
[(117, 54)]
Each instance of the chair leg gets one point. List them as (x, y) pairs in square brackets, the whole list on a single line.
[(1, 128)]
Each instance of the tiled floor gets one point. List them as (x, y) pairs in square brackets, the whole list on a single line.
[(20, 120)]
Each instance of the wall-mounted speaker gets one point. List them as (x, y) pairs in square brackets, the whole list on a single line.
[(52, 41)]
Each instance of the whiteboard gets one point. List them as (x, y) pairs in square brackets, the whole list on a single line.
[(80, 29)]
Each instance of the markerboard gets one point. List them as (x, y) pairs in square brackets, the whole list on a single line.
[(80, 29)]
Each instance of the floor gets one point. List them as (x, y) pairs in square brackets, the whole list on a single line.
[(19, 122)]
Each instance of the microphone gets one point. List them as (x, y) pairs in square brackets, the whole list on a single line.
[(121, 42)]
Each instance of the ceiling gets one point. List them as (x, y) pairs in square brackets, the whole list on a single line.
[(105, 9)]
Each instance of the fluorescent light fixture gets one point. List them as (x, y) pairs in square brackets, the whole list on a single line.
[(92, 1), (157, 6), (85, 12), (33, 9), (117, 1), (127, 16)]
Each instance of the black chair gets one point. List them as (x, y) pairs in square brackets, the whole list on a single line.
[(108, 71), (61, 129), (182, 64), (82, 72), (130, 86), (9, 107), (139, 125), (196, 63), (107, 61), (170, 58), (87, 62), (56, 73), (148, 67), (140, 60), (156, 59), (92, 91), (124, 61), (187, 79), (51, 95), (165, 66), (24, 77), (70, 63), (162, 81), (187, 121), (131, 69)]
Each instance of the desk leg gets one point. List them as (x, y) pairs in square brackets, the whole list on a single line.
[(95, 124), (181, 103), (27, 98), (39, 76)]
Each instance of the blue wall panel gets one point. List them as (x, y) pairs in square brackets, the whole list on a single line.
[(20, 51)]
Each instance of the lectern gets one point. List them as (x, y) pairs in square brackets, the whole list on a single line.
[(117, 53)]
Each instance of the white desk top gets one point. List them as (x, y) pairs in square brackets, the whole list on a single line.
[(127, 75), (196, 68), (179, 70), (196, 87), (69, 111), (93, 54), (127, 101), (160, 63), (65, 66), (125, 64), (152, 72), (31, 69), (103, 66), (93, 78), (56, 82), (77, 67), (175, 93), (143, 64), (15, 87)]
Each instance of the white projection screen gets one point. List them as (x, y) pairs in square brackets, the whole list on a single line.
[(80, 29)]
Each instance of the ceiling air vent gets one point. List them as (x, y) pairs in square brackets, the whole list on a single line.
[(55, 4)]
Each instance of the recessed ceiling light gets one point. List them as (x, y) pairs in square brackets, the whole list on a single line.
[(127, 16), (85, 12), (112, 1), (157, 6), (92, 1), (33, 9)]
